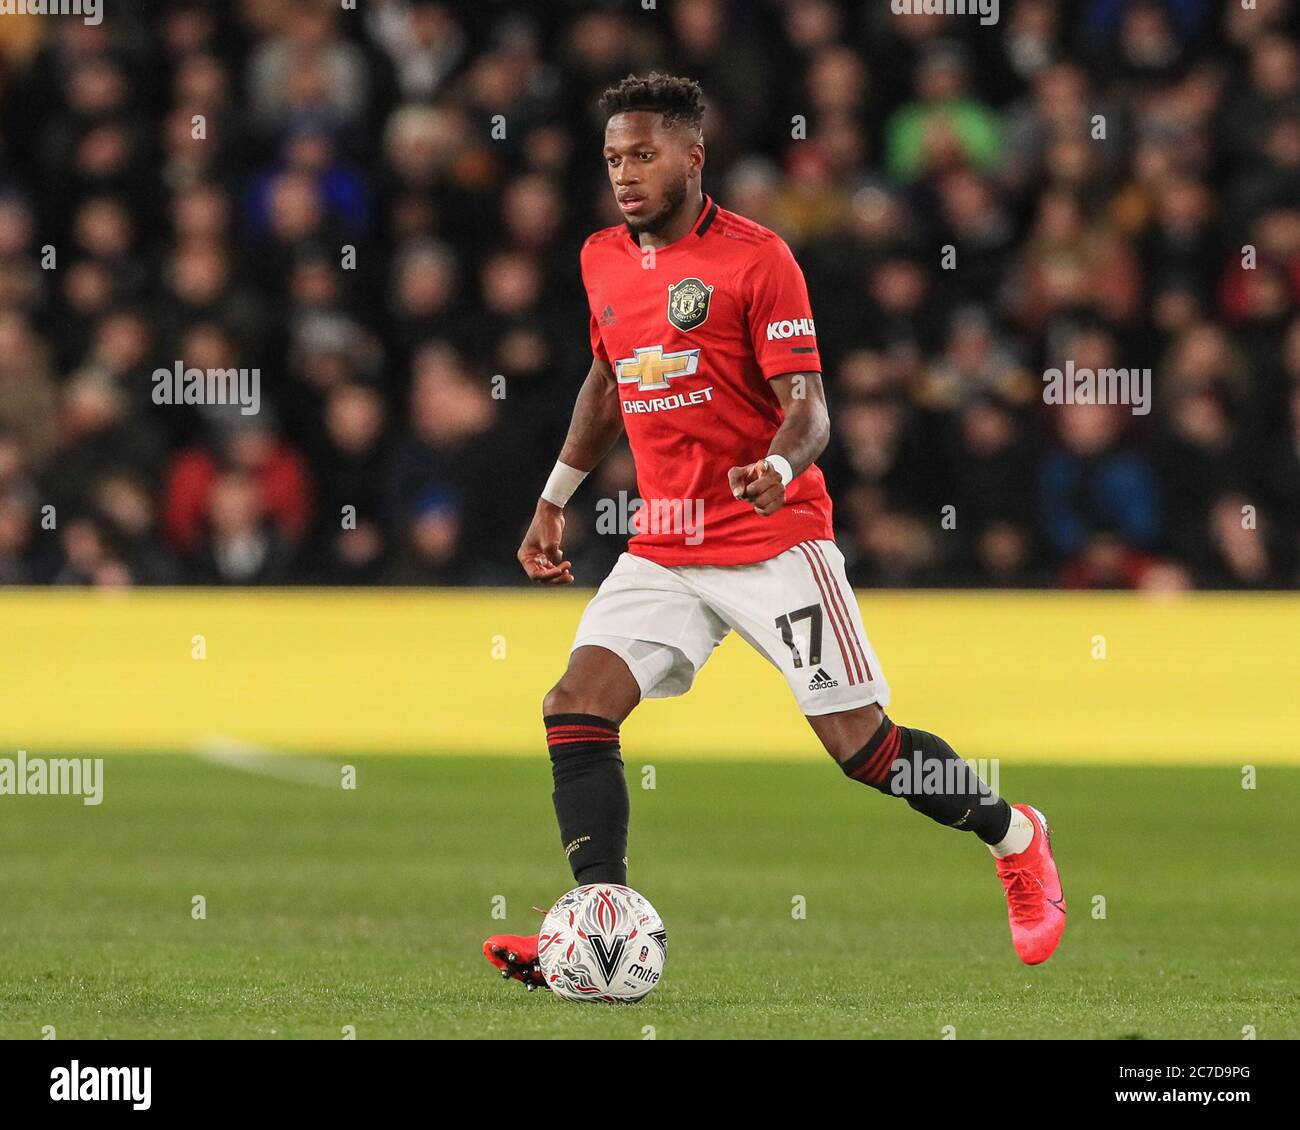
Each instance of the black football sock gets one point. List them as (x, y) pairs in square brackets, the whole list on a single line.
[(923, 768), (591, 802)]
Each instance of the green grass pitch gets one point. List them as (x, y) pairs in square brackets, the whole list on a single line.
[(328, 908)]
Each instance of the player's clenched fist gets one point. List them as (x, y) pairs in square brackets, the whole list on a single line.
[(540, 553), (758, 484)]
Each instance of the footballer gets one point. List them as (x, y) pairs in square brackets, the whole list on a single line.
[(705, 353)]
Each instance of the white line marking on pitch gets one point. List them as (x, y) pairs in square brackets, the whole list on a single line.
[(234, 754)]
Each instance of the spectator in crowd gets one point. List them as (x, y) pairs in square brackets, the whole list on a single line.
[(350, 538), (1099, 502), (239, 544), (248, 448), (429, 551)]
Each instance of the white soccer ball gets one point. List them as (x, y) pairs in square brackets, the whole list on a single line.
[(602, 942)]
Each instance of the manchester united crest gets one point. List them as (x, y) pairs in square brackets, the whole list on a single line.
[(688, 304)]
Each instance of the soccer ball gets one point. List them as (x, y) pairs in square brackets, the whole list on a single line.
[(602, 942)]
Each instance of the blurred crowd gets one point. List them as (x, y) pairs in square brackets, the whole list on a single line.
[(379, 207)]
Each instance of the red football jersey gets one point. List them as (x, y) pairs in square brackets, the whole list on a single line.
[(693, 333)]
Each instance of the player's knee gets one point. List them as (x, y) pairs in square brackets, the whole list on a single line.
[(564, 698), (596, 684), (844, 733)]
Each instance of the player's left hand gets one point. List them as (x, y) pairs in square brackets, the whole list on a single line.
[(758, 484)]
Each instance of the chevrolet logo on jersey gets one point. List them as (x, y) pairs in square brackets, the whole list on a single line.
[(652, 368)]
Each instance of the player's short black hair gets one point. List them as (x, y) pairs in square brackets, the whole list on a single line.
[(679, 100)]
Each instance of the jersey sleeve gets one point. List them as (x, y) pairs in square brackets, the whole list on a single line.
[(597, 343), (780, 314), (598, 349)]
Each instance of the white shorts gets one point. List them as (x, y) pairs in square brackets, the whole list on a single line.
[(796, 609)]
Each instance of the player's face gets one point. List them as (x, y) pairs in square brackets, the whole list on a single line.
[(649, 168)]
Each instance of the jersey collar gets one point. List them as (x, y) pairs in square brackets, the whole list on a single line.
[(702, 224)]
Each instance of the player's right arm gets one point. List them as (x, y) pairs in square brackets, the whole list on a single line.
[(595, 427)]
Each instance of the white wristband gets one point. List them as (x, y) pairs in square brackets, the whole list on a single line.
[(781, 465), (563, 482)]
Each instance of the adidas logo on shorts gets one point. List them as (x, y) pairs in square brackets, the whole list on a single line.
[(822, 681)]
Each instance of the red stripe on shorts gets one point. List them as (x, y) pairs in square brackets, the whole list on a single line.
[(853, 636), (830, 612)]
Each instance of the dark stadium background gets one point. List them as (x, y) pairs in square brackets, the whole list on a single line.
[(373, 129)]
